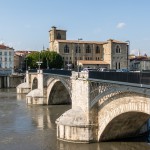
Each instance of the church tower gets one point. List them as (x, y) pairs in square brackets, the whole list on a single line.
[(55, 34)]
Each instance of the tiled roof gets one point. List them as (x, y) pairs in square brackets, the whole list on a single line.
[(93, 62), (4, 47), (90, 42), (81, 42)]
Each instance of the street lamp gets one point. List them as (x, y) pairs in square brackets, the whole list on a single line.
[(47, 63), (128, 52), (79, 39), (39, 62), (26, 59)]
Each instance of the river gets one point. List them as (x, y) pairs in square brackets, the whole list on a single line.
[(24, 127)]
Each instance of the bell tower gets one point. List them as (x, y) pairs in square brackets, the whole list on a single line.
[(56, 34)]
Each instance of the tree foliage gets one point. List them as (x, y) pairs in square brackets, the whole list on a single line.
[(49, 59)]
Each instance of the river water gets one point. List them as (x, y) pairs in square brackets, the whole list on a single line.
[(24, 127)]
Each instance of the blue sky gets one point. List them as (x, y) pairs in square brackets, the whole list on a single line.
[(24, 24)]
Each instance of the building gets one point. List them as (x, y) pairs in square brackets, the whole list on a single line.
[(6, 59), (20, 61), (112, 54), (139, 63)]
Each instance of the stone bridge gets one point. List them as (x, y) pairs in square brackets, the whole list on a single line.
[(102, 110)]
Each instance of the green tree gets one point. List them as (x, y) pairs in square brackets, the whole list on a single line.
[(49, 59)]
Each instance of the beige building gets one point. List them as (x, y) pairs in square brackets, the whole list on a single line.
[(112, 54)]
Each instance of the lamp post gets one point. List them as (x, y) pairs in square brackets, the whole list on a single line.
[(26, 59), (47, 63), (79, 39), (39, 62), (128, 52)]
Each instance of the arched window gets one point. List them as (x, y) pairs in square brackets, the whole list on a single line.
[(78, 50), (66, 49), (58, 36), (97, 49), (118, 49), (88, 49)]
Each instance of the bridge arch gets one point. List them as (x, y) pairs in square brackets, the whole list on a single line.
[(58, 92), (122, 115)]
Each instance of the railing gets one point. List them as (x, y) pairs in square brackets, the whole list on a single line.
[(58, 71), (130, 77), (32, 70)]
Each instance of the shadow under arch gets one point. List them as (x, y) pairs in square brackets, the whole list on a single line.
[(58, 93), (123, 116), (35, 83)]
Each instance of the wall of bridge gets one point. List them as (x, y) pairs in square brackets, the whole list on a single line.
[(11, 81)]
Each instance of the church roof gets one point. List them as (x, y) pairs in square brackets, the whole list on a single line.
[(81, 42), (90, 42)]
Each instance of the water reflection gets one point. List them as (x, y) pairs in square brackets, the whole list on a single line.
[(43, 117), (103, 146), (25, 127), (21, 97)]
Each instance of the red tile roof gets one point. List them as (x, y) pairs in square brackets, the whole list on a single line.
[(4, 47)]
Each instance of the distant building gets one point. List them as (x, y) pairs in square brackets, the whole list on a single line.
[(19, 60), (6, 59), (139, 63), (112, 54)]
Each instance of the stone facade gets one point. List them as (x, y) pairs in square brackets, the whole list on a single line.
[(112, 52)]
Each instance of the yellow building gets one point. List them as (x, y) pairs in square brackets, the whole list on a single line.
[(112, 54)]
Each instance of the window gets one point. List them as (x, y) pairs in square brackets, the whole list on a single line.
[(88, 49), (5, 59), (97, 49), (0, 53), (116, 65), (119, 65), (9, 53), (5, 53), (58, 36), (66, 49), (78, 50), (118, 49)]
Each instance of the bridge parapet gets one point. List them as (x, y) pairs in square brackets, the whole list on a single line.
[(76, 75)]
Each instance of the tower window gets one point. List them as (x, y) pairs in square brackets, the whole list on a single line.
[(58, 36)]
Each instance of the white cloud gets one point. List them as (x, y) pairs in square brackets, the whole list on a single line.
[(121, 25)]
